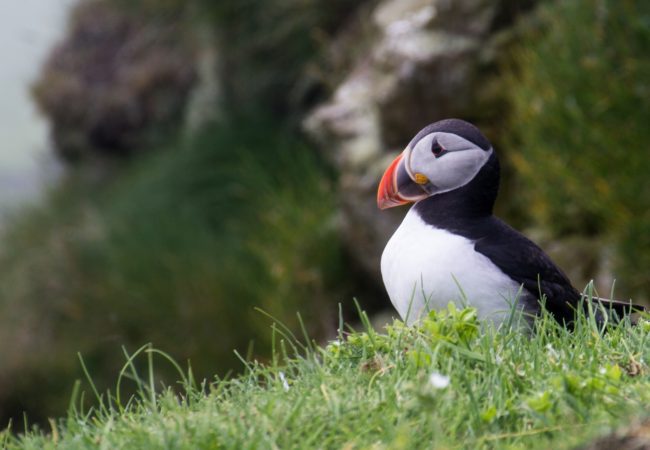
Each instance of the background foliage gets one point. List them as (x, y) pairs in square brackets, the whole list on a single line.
[(581, 105), (272, 49), (168, 237), (178, 251)]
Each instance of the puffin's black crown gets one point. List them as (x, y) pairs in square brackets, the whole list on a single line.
[(458, 127)]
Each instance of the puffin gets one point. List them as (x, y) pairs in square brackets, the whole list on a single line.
[(451, 248)]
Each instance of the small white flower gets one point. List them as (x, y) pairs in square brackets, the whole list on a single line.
[(336, 343), (438, 380), (553, 354), (285, 385)]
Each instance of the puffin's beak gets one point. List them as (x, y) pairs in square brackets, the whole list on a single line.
[(396, 187)]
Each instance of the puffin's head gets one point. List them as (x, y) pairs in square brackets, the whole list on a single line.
[(442, 157)]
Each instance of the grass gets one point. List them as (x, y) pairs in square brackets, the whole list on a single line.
[(451, 382)]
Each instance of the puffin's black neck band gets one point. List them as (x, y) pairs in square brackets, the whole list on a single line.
[(473, 201)]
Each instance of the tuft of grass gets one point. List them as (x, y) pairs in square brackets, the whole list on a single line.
[(450, 382)]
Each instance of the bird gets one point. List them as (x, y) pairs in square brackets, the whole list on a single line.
[(450, 247)]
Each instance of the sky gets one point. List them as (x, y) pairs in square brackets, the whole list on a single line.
[(28, 29)]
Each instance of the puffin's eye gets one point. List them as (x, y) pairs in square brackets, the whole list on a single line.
[(436, 148)]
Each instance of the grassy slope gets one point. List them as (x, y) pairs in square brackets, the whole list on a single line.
[(552, 389), (158, 253)]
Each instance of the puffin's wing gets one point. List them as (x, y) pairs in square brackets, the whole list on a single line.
[(523, 261)]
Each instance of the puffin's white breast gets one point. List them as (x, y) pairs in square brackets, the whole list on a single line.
[(425, 268)]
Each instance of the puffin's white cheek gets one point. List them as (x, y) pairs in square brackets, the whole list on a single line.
[(456, 169)]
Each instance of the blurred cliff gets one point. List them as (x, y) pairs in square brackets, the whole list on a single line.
[(117, 80), (422, 61), (222, 156)]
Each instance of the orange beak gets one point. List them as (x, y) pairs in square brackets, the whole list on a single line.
[(387, 194), (396, 187)]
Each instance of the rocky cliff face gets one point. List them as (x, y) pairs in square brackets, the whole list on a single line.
[(115, 81), (424, 60)]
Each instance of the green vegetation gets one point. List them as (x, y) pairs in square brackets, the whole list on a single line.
[(149, 238), (449, 383), (581, 112), (176, 241), (177, 250), (274, 50)]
